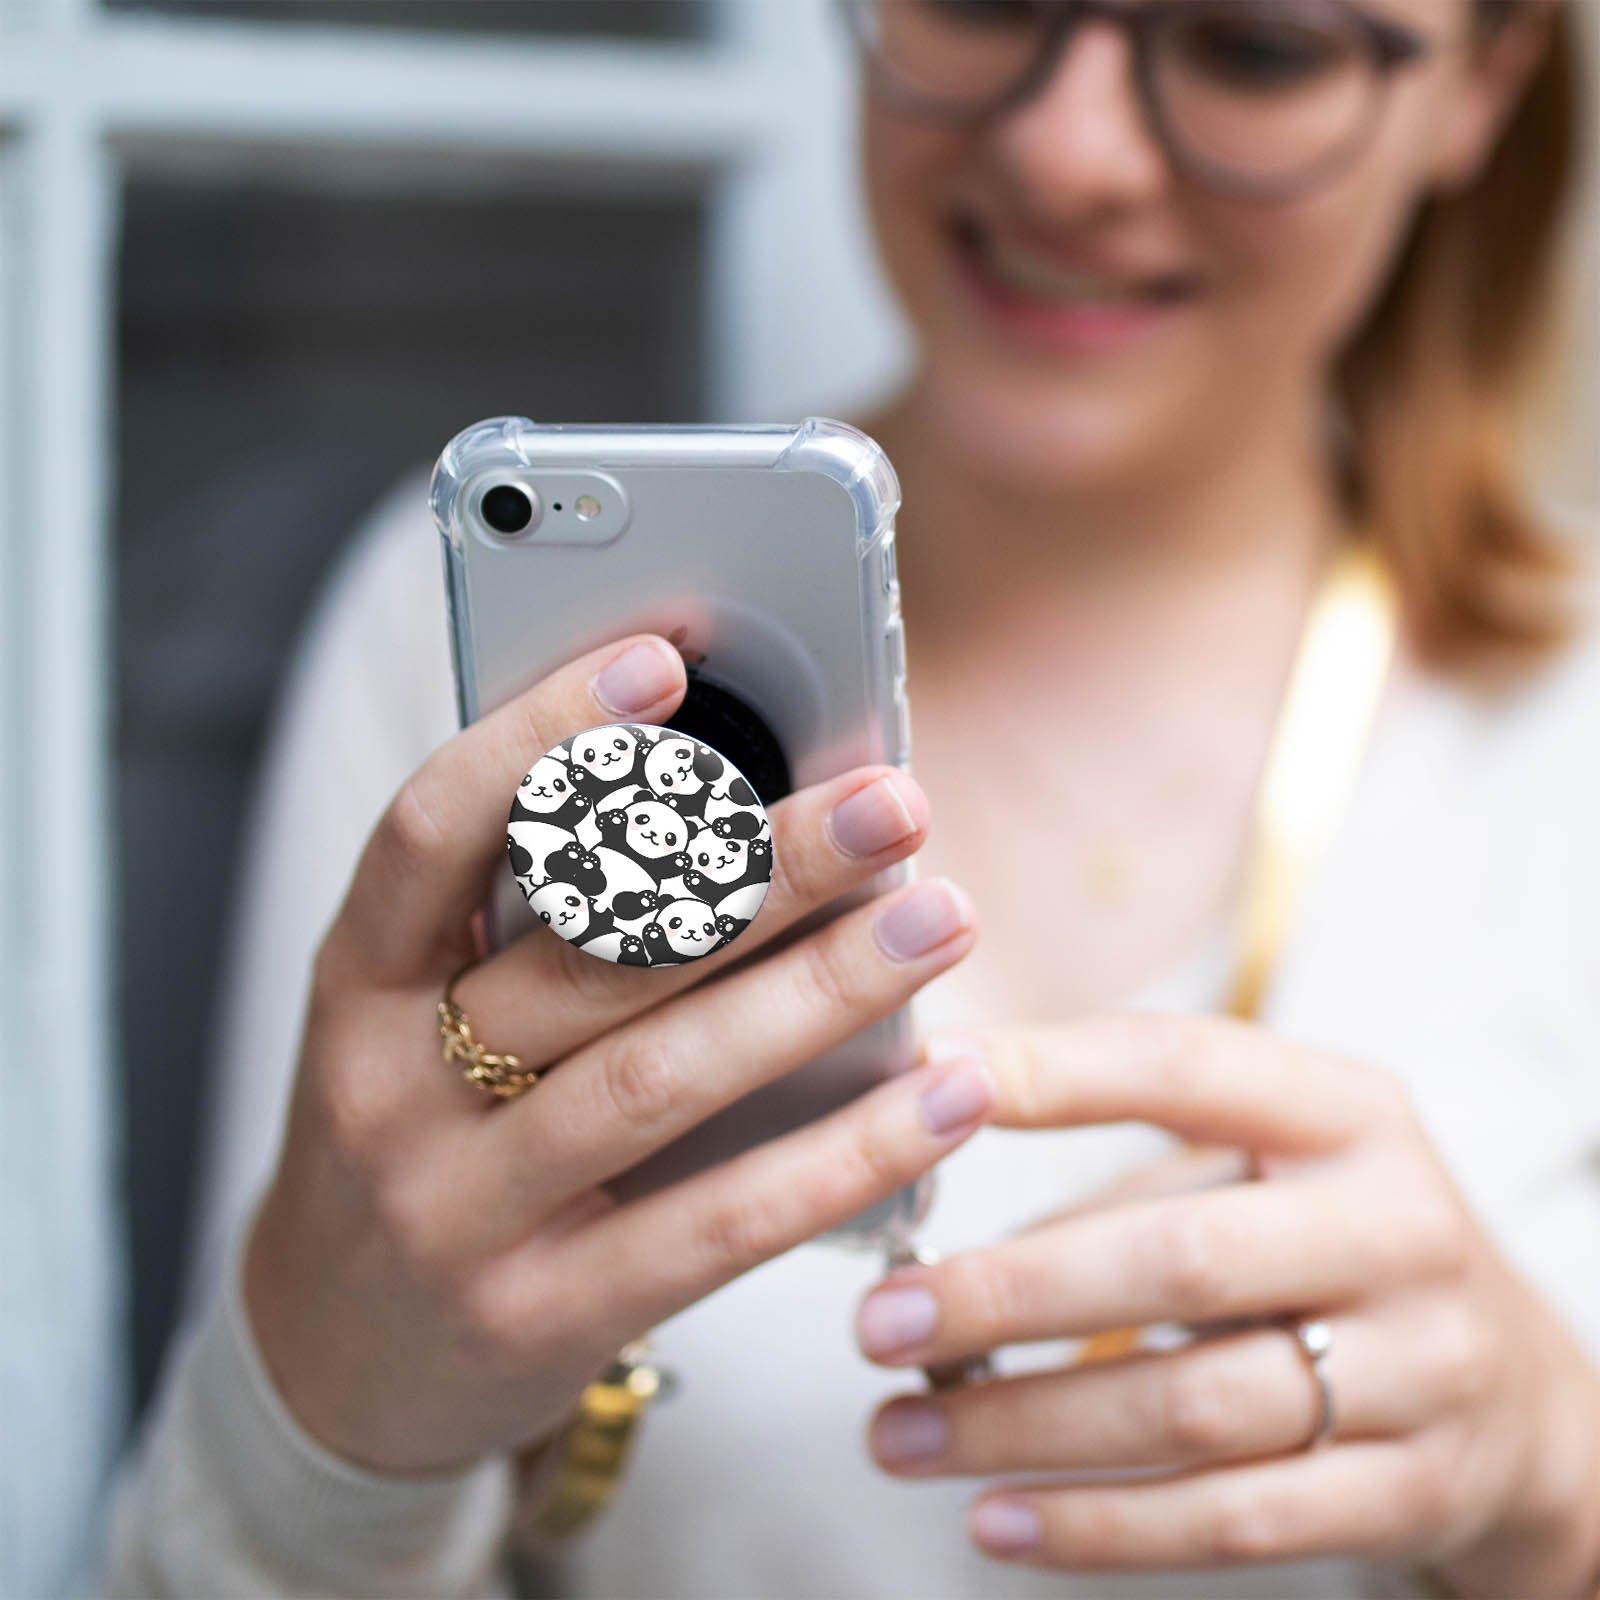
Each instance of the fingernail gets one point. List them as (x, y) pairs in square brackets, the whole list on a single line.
[(871, 819), (912, 1431), (643, 674), (1005, 1525), (922, 920), (960, 1097), (895, 1319)]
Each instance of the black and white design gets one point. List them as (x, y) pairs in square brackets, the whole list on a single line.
[(640, 845)]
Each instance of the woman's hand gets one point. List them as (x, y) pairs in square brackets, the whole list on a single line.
[(1467, 1420), (434, 1275)]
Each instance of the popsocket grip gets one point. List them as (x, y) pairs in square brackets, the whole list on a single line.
[(640, 845)]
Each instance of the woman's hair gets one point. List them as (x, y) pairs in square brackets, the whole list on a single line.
[(1437, 384)]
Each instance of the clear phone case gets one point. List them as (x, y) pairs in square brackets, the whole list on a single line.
[(767, 554)]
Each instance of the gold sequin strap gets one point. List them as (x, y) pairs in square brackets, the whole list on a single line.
[(568, 1481)]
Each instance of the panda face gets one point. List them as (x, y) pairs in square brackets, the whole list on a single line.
[(654, 831), (561, 907), (719, 859), (606, 753), (548, 787), (689, 927), (669, 768)]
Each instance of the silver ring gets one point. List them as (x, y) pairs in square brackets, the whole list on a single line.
[(974, 1369), (1314, 1336)]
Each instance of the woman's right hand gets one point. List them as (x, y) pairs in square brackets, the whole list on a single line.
[(434, 1275)]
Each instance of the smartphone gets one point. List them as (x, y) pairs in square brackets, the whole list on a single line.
[(766, 555)]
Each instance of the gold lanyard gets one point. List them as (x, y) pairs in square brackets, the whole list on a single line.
[(1318, 747), (1323, 727), (569, 1481)]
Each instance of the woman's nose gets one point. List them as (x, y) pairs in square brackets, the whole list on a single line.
[(1083, 141)]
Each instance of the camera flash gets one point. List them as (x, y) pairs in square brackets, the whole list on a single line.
[(587, 507)]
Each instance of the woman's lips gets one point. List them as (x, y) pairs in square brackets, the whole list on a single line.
[(1043, 303)]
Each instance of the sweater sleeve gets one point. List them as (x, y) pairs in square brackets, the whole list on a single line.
[(225, 1493), (229, 1495)]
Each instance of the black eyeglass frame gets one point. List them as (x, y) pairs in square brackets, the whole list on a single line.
[(1389, 47)]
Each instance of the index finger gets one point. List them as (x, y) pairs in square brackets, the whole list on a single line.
[(429, 863), (1208, 1079)]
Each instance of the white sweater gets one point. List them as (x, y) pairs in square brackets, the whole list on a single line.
[(1454, 936)]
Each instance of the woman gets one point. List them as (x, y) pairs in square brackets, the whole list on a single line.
[(1201, 292)]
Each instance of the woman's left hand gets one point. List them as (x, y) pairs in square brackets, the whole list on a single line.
[(1466, 1419)]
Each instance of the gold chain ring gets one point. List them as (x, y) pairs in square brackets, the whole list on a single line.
[(501, 1075)]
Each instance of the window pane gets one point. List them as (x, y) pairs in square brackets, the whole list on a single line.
[(632, 19), (285, 357)]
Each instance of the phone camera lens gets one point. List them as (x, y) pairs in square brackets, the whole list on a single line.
[(506, 508)]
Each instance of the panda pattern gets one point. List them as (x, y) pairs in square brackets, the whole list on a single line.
[(720, 865), (604, 759), (684, 773), (549, 795), (640, 845)]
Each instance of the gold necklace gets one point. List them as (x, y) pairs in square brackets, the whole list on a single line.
[(1319, 743)]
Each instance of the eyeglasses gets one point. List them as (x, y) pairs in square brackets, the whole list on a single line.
[(1257, 98)]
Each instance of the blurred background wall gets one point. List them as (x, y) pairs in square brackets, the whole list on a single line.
[(258, 258)]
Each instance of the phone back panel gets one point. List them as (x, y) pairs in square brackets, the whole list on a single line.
[(766, 554)]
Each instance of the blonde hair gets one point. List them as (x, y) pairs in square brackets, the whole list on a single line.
[(1436, 386)]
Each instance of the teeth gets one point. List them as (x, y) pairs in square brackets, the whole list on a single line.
[(1019, 269)]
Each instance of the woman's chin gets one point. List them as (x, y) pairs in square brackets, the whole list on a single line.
[(1036, 439)]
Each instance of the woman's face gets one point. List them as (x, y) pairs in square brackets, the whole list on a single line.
[(1086, 314)]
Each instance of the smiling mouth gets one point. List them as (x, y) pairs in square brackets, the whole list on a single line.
[(1017, 271)]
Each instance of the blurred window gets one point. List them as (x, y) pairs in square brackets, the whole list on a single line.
[(635, 19), (286, 353)]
